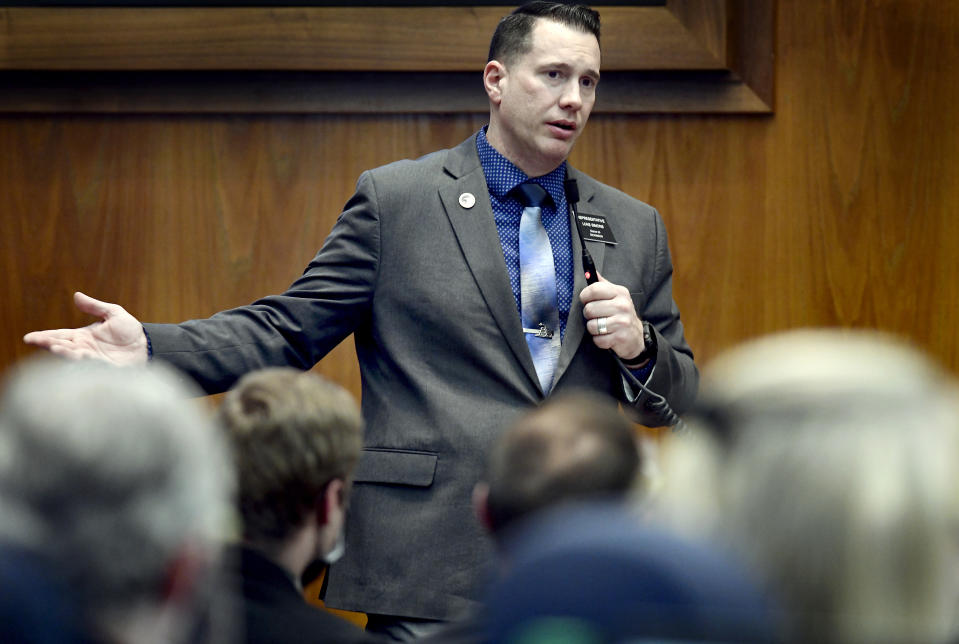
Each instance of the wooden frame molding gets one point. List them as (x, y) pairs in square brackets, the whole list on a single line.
[(686, 56)]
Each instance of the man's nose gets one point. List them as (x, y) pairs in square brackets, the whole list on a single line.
[(572, 98)]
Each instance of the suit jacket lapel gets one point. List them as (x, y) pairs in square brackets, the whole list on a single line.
[(576, 324), (475, 229)]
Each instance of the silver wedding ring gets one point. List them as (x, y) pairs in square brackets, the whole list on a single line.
[(601, 326)]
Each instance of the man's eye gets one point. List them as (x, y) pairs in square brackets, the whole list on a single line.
[(553, 73), (588, 82)]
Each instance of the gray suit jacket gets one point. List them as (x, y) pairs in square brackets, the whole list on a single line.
[(418, 276)]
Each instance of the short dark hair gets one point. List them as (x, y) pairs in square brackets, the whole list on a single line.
[(512, 35), (575, 446), (292, 432)]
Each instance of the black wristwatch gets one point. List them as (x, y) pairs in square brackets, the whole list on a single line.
[(649, 351)]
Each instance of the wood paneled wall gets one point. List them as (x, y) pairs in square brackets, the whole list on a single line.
[(836, 210)]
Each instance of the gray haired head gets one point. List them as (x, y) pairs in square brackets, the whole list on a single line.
[(108, 474)]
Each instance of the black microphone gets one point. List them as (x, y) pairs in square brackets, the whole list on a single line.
[(655, 403), (572, 197)]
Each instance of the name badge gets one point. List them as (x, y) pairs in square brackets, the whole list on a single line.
[(594, 228)]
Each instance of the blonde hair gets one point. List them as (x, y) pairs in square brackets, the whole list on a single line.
[(834, 464), (292, 432)]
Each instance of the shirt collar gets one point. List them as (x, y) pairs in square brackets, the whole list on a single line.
[(502, 175)]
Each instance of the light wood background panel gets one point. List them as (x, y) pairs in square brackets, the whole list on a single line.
[(836, 210), (180, 217)]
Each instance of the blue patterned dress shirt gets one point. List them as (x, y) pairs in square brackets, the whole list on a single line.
[(501, 177)]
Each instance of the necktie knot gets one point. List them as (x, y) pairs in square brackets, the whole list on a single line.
[(531, 195)]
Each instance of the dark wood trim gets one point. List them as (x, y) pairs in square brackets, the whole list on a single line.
[(691, 55), (331, 92)]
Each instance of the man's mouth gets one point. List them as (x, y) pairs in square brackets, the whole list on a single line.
[(564, 125)]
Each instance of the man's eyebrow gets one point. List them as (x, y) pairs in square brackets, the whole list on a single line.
[(566, 67), (592, 73)]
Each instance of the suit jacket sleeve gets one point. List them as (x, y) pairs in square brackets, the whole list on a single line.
[(675, 375), (296, 328)]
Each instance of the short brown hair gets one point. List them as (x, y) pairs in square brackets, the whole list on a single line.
[(576, 446), (292, 433)]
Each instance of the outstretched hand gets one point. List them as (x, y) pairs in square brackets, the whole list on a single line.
[(117, 338)]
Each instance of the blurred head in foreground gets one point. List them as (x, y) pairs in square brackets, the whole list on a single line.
[(118, 483), (574, 447), (830, 461)]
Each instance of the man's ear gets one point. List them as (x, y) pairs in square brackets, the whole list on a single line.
[(494, 74), (330, 500), (481, 505)]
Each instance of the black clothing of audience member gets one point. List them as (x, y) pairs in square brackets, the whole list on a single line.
[(275, 612)]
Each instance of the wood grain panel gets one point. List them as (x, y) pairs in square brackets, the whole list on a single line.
[(329, 38), (178, 218), (874, 166), (706, 19), (833, 212), (686, 56), (837, 210)]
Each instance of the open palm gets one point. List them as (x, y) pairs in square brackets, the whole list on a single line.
[(116, 338)]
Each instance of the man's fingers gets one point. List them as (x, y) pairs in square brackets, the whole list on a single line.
[(91, 306), (49, 338), (64, 343), (71, 352), (598, 291), (602, 290), (46, 339), (37, 338)]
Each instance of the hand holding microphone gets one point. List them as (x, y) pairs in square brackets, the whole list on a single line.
[(610, 314), (611, 319)]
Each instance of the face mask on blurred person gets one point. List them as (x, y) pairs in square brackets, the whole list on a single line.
[(336, 553)]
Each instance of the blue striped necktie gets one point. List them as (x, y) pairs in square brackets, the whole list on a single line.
[(538, 307)]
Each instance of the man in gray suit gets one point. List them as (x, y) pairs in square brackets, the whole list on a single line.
[(422, 267)]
